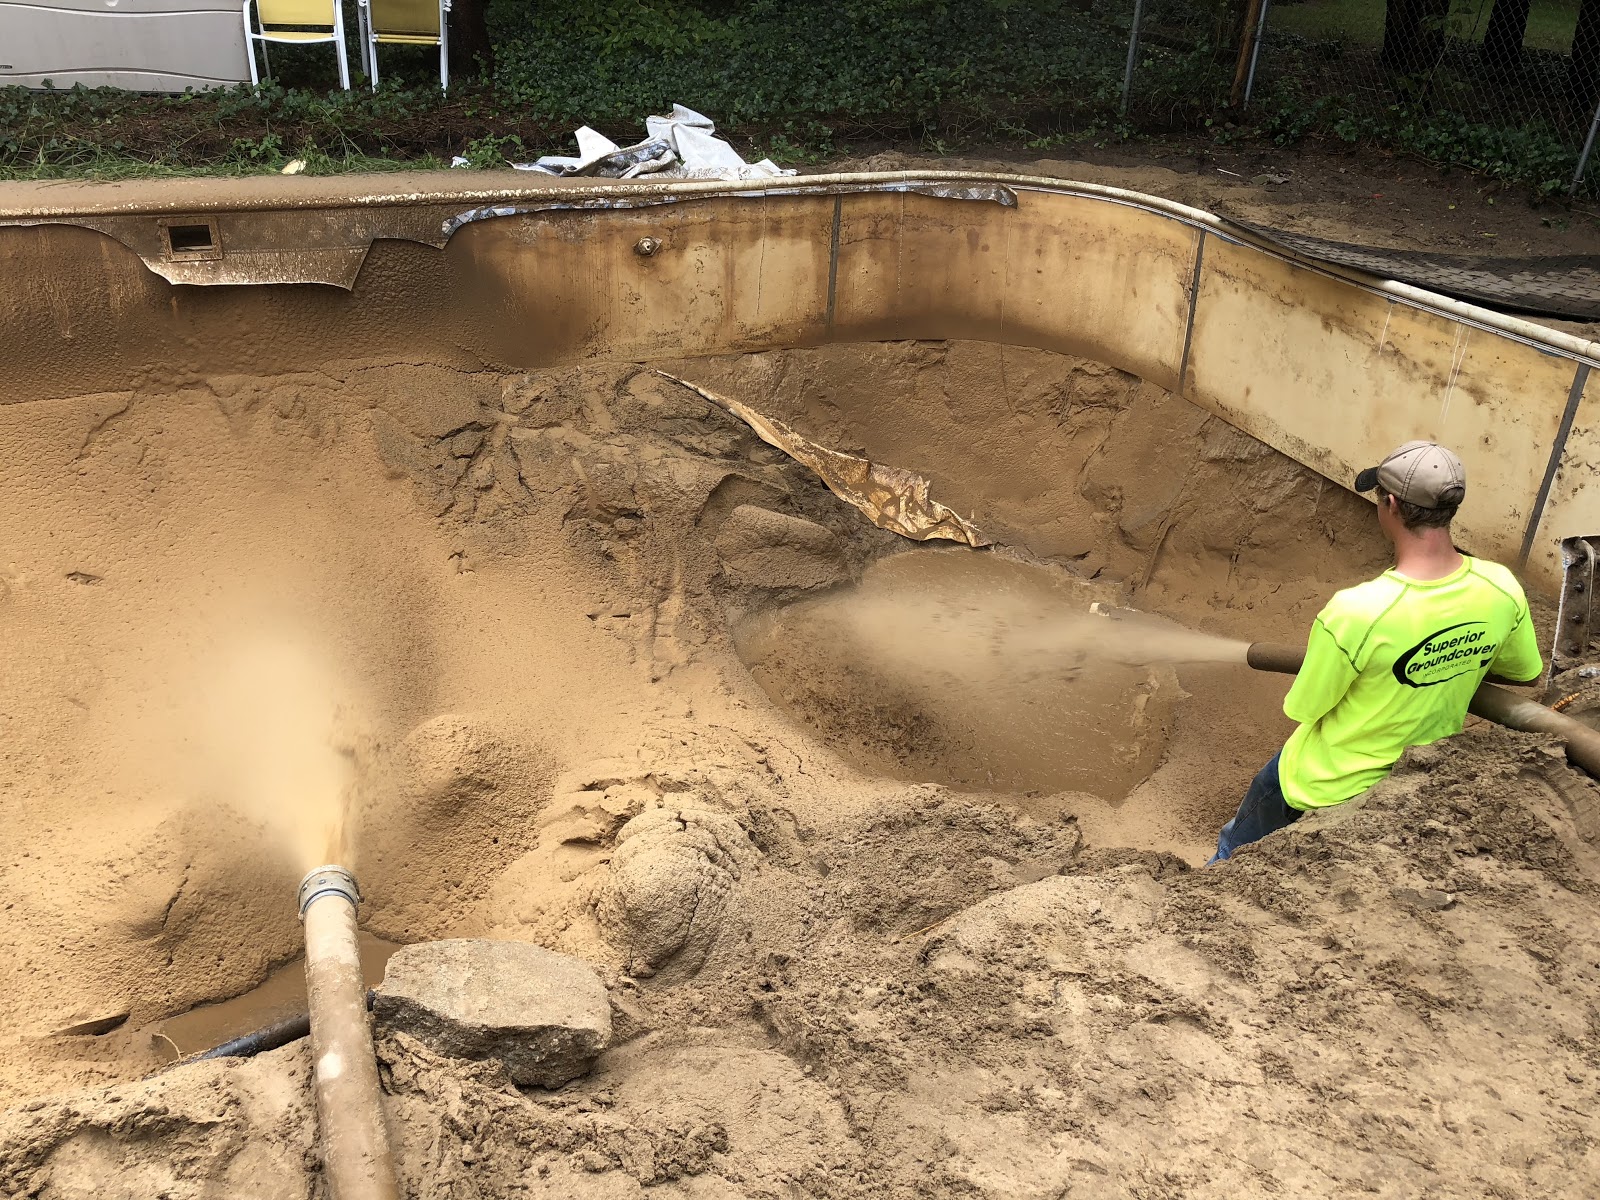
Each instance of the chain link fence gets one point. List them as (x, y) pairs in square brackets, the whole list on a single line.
[(1529, 69), (1186, 58), (1511, 87)]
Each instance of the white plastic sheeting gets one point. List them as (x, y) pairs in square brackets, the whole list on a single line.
[(682, 145)]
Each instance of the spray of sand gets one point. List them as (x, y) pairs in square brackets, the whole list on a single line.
[(271, 742), (979, 670), (271, 747), (978, 627)]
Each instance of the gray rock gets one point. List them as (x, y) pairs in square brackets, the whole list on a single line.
[(545, 1015), (1423, 899)]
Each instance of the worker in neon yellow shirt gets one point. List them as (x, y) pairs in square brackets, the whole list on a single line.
[(1392, 662)]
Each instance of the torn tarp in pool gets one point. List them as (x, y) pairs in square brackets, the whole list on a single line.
[(891, 498)]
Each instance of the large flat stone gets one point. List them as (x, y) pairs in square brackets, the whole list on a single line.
[(545, 1015)]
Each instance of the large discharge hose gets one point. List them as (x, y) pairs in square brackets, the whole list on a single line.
[(357, 1161), (1489, 702)]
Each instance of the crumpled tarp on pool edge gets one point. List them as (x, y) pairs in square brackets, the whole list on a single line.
[(683, 145), (889, 497)]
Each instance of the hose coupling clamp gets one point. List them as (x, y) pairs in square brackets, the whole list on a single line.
[(330, 880)]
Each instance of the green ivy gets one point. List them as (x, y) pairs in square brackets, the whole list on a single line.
[(1532, 155), (772, 61)]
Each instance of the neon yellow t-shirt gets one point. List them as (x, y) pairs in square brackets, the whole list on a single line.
[(1392, 663)]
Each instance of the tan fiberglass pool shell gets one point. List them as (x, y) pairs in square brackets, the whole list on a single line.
[(1325, 364)]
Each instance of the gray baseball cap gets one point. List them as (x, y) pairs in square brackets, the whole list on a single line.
[(1420, 473)]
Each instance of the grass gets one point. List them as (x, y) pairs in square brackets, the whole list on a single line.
[(1360, 22), (97, 164)]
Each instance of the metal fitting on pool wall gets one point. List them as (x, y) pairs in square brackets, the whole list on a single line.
[(357, 1159)]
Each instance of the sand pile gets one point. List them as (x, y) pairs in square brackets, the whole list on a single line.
[(502, 610), (937, 997)]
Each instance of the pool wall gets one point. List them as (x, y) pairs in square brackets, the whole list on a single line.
[(131, 287)]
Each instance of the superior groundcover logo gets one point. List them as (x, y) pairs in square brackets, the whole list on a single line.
[(1449, 652)]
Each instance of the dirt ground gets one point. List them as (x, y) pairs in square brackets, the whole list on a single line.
[(481, 628), (1361, 198), (1364, 197)]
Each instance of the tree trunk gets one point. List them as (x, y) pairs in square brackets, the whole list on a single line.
[(1583, 71), (469, 38), (1501, 51), (1413, 35)]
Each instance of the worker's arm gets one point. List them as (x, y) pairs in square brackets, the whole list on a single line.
[(1518, 660), (1326, 676)]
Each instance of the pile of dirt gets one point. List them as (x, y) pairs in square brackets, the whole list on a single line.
[(827, 979), (940, 997)]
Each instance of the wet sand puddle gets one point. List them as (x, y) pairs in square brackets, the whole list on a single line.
[(277, 998)]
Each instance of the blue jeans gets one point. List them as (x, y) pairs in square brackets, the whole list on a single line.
[(1262, 810)]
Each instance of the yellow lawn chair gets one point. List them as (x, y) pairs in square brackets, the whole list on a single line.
[(404, 23), (295, 21)]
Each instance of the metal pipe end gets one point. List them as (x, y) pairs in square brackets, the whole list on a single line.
[(329, 880)]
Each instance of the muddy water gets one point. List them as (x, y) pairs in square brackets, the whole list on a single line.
[(280, 996), (980, 672)]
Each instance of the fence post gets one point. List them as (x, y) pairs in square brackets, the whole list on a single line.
[(1588, 147), (1255, 53), (1247, 39), (1133, 53)]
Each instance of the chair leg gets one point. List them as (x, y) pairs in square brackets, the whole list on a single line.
[(364, 32), (250, 45), (339, 47), (444, 45)]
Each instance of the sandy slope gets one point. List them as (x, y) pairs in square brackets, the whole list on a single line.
[(487, 619)]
